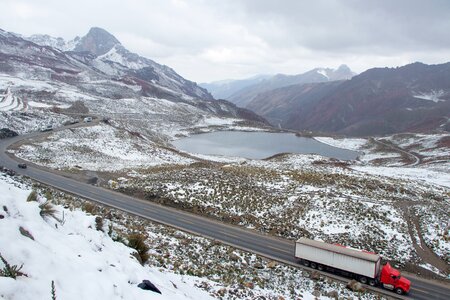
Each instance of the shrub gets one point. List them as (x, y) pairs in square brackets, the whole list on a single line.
[(99, 223), (10, 271), (89, 208), (137, 242), (32, 196), (47, 210), (53, 291)]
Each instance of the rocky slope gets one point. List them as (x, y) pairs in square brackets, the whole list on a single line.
[(414, 97)]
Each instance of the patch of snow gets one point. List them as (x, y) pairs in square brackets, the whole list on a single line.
[(431, 96), (114, 56), (347, 143), (416, 174), (324, 73)]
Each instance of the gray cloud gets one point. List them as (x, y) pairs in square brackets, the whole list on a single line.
[(214, 39)]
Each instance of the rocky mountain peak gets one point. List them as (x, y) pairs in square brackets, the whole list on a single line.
[(97, 41)]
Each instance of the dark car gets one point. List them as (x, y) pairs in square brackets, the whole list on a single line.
[(22, 166)]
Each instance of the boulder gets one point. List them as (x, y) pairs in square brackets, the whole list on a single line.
[(147, 285), (26, 233)]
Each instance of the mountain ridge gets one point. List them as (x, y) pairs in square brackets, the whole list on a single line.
[(415, 97), (249, 89)]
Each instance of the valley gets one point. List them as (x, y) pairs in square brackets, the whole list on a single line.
[(197, 210)]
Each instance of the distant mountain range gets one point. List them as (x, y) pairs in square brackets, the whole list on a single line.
[(224, 89), (242, 92), (415, 98)]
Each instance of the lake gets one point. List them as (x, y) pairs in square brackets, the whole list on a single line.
[(258, 145)]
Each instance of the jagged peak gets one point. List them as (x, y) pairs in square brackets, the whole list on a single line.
[(97, 41)]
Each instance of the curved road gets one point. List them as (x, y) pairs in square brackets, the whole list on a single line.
[(271, 247)]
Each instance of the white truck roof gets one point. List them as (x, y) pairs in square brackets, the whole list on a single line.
[(341, 250)]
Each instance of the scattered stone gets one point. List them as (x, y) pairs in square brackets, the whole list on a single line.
[(315, 275), (147, 285), (2, 216), (316, 293), (258, 266), (333, 294), (26, 233), (272, 264), (234, 257), (355, 286), (249, 285), (222, 292)]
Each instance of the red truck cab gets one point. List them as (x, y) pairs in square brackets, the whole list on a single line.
[(391, 279)]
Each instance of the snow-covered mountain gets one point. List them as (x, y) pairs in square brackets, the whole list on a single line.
[(54, 42), (102, 50), (244, 95), (99, 76)]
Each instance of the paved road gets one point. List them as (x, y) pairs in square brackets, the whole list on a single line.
[(275, 248)]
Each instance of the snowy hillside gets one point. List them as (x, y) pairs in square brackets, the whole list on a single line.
[(64, 247), (80, 248)]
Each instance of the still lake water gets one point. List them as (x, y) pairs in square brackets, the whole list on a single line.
[(257, 145)]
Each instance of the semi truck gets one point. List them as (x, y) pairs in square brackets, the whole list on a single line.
[(358, 264)]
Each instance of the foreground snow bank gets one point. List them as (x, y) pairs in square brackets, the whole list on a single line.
[(84, 263)]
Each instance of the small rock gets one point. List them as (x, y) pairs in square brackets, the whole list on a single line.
[(222, 292), (333, 294), (315, 275), (258, 266), (272, 264), (2, 217), (316, 293), (147, 285), (249, 285), (234, 257), (26, 233)]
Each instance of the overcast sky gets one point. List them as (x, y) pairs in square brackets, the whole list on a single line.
[(206, 40)]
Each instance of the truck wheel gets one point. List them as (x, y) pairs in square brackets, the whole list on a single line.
[(363, 279), (313, 265), (399, 291), (372, 282), (320, 267), (306, 263)]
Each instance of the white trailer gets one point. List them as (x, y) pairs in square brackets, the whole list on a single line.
[(362, 265), (320, 255)]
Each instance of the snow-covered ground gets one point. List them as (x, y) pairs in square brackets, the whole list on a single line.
[(99, 148), (83, 263), (81, 257), (429, 146)]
